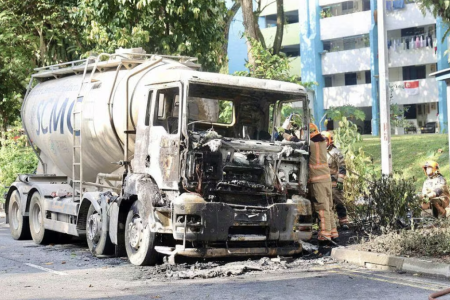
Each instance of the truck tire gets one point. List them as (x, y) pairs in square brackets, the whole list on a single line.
[(18, 224), (98, 241), (39, 234), (139, 241)]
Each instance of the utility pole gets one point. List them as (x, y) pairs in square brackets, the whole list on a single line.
[(386, 155)]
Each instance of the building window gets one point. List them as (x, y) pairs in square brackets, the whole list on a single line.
[(410, 111), (291, 17), (327, 46), (350, 79), (328, 81), (291, 51), (412, 31), (368, 77), (347, 7), (366, 5), (414, 72), (349, 43)]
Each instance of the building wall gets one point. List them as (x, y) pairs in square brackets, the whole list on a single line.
[(344, 25), (335, 63), (410, 16), (346, 61)]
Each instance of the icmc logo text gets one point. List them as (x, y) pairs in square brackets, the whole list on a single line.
[(58, 117)]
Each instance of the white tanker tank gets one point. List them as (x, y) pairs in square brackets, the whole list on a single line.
[(48, 114)]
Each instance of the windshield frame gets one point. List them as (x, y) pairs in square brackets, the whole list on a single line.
[(277, 114), (238, 91)]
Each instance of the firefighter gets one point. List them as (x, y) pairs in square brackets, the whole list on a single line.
[(435, 191), (336, 163), (320, 185)]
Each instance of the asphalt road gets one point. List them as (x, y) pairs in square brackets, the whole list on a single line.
[(68, 271)]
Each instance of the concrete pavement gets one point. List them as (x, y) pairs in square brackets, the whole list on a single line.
[(28, 271), (390, 262)]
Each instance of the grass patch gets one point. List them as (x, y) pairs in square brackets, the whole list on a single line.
[(409, 152)]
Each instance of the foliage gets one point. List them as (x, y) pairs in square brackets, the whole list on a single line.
[(225, 112), (398, 118), (356, 161), (32, 33), (348, 111), (175, 27), (15, 157), (389, 204), (439, 8), (269, 66), (36, 33), (347, 135), (325, 13)]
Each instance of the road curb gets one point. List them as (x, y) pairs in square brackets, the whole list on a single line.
[(374, 260)]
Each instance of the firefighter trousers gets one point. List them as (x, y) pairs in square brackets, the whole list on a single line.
[(323, 204)]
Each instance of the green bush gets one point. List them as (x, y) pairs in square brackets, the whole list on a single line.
[(374, 202), (15, 158)]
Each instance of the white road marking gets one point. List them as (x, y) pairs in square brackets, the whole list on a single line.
[(47, 270)]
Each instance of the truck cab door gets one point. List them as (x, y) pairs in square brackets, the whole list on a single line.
[(164, 121)]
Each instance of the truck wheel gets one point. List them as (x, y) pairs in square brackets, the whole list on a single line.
[(139, 241), (39, 234), (18, 224), (98, 240)]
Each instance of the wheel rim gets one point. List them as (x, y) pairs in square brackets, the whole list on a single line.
[(15, 214), (94, 228), (135, 232), (36, 217)]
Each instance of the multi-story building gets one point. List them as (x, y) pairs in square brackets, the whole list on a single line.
[(335, 44)]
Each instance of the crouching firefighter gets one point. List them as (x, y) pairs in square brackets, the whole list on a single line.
[(435, 191), (320, 185), (336, 163)]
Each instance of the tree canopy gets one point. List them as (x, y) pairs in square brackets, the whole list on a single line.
[(39, 32), (438, 8)]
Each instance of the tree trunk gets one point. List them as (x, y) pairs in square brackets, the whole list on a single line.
[(280, 28), (261, 37), (250, 27), (42, 48), (230, 16)]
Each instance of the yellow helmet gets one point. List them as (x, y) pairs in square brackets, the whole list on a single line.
[(328, 136), (430, 163), (313, 130)]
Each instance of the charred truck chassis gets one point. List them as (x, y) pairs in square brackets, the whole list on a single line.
[(190, 189)]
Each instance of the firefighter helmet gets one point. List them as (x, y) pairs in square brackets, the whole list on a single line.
[(430, 163), (313, 130), (328, 136)]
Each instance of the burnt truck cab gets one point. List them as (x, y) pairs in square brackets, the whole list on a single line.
[(214, 178)]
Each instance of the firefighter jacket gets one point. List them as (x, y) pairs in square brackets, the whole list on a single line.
[(437, 184), (336, 162), (318, 165)]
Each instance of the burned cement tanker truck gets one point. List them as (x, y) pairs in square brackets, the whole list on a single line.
[(146, 155)]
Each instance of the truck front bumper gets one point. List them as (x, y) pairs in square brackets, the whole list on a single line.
[(219, 222)]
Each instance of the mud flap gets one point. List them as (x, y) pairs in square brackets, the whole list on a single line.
[(114, 222)]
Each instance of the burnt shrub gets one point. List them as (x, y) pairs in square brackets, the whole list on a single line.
[(388, 202)]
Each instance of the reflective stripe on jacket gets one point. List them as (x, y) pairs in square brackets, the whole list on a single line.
[(318, 165)]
